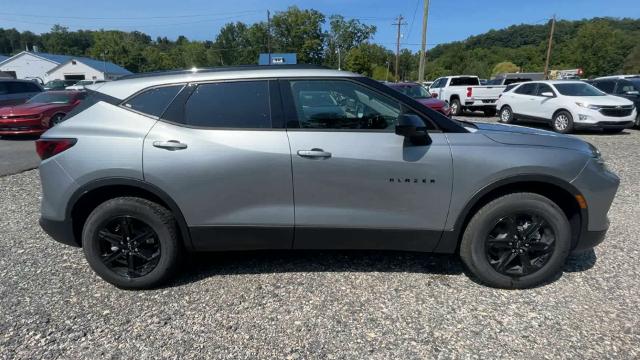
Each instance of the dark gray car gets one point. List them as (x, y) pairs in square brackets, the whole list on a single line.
[(14, 92), (239, 159)]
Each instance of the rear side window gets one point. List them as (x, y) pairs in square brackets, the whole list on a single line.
[(526, 89), (242, 104), (90, 98), (464, 81), (153, 101), (606, 86)]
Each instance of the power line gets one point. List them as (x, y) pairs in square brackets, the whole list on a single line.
[(415, 11)]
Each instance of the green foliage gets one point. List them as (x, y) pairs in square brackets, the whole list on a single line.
[(505, 67), (632, 62)]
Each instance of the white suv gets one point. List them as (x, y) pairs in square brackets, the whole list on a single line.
[(566, 105)]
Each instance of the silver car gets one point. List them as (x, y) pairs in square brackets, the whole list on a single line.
[(254, 158)]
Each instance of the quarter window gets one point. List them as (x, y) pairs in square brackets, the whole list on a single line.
[(153, 101), (242, 104), (339, 104)]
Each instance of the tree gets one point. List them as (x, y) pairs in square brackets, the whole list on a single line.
[(505, 67), (345, 35), (299, 31), (598, 49), (632, 62)]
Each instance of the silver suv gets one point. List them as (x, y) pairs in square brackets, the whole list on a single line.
[(299, 157)]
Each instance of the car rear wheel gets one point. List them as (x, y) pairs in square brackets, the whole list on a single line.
[(637, 124), (131, 243), (562, 122), (456, 107), (56, 120), (506, 115), (517, 241)]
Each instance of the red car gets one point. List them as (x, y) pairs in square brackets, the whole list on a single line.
[(39, 113), (421, 95)]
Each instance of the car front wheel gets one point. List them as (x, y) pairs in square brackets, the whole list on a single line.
[(517, 241), (131, 243), (562, 122)]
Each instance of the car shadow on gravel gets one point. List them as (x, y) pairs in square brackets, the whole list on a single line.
[(542, 126), (199, 266)]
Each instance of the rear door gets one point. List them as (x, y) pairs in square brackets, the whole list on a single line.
[(356, 183), (524, 100), (221, 153)]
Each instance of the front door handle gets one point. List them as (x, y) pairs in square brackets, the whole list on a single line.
[(170, 145), (314, 153)]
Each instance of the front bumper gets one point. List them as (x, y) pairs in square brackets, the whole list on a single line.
[(60, 231)]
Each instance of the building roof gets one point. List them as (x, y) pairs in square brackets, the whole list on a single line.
[(99, 65)]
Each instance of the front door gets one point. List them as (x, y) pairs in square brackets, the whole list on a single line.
[(227, 165), (356, 183)]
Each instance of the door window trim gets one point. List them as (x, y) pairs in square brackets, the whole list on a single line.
[(289, 110)]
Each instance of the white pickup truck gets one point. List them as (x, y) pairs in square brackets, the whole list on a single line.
[(465, 92)]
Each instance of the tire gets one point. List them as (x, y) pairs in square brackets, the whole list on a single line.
[(477, 251), (562, 122), (56, 119), (456, 107), (155, 255), (506, 115), (489, 112), (637, 124)]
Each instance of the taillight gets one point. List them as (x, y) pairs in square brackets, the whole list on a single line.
[(469, 91), (47, 148)]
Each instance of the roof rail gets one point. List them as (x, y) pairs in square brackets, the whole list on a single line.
[(221, 69)]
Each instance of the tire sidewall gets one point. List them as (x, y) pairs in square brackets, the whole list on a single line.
[(551, 213), (569, 127), (510, 119), (458, 107), (121, 207)]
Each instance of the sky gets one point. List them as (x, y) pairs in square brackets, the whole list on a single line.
[(449, 20)]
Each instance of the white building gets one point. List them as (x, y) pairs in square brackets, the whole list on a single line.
[(46, 67)]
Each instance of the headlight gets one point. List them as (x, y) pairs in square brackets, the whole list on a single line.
[(588, 106)]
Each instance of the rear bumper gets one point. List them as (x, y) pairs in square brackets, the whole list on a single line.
[(60, 231)]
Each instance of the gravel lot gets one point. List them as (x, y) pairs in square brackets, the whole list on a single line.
[(327, 305)]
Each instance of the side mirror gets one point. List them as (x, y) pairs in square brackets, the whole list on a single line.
[(412, 128), (547, 94)]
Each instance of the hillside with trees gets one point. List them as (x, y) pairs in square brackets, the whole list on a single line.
[(600, 46)]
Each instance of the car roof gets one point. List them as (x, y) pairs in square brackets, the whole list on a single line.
[(17, 80), (129, 85)]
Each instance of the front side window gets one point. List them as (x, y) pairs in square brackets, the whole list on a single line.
[(543, 88), (526, 89), (153, 101), (578, 89), (436, 84), (624, 86), (242, 105), (341, 104)]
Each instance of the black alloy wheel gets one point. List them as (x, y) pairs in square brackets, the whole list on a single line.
[(520, 244), (128, 246)]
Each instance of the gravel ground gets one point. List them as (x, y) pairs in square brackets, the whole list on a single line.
[(326, 305)]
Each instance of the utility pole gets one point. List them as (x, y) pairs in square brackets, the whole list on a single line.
[(399, 23), (423, 46), (546, 64), (269, 35)]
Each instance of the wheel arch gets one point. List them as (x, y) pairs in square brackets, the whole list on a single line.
[(89, 196), (558, 110), (557, 190)]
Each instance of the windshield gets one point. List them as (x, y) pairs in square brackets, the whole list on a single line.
[(413, 91), (578, 89), (50, 98)]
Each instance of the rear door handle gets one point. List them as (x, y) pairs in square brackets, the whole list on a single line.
[(314, 153), (170, 145)]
